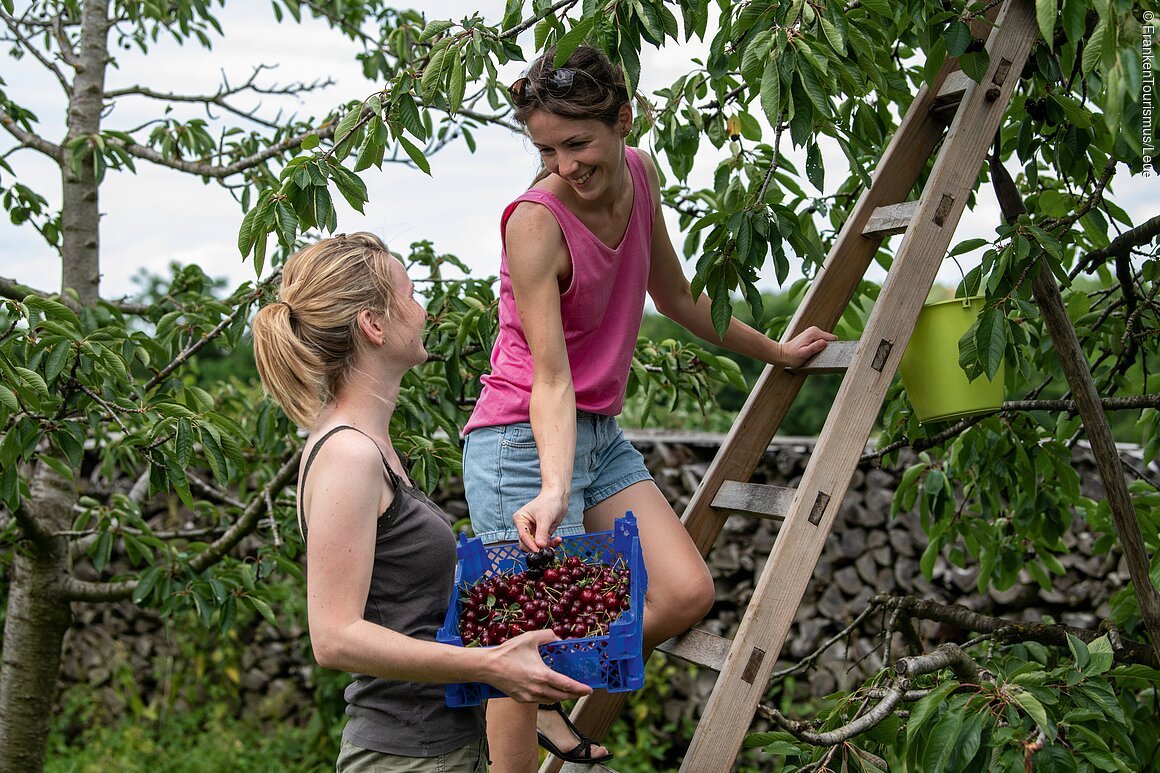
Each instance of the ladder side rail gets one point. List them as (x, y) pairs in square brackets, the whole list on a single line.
[(770, 400), (765, 625), (829, 295)]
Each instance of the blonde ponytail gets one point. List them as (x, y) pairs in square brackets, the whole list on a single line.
[(305, 343)]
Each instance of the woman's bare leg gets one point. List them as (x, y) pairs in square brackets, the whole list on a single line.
[(511, 736), (680, 587)]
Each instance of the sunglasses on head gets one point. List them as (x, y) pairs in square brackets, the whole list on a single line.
[(557, 83)]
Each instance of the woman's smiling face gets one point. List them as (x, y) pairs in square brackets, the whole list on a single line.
[(587, 154)]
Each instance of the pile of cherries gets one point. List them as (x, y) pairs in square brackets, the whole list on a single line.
[(573, 597)]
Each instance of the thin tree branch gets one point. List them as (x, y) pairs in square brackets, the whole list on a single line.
[(206, 338), (533, 20), (108, 408), (245, 524), (10, 288), (1120, 246), (67, 52), (1131, 403), (209, 491), (219, 98), (948, 655), (14, 26), (28, 523), (74, 589), (217, 171), (805, 662), (29, 140), (1009, 631), (802, 729)]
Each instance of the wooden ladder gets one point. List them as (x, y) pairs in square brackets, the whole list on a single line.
[(973, 112)]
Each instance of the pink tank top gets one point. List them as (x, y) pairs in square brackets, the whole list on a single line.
[(601, 311)]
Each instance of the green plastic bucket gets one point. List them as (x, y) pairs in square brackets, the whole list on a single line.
[(938, 388)]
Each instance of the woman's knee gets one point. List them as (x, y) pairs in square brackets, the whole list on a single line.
[(680, 605)]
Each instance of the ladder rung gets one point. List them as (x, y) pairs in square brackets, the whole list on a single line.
[(890, 219), (951, 92), (835, 358), (698, 647), (576, 767), (771, 502)]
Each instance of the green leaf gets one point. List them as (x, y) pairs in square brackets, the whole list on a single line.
[(458, 82), (1102, 656), (967, 245), (263, 609), (957, 37), (1045, 13), (32, 380), (310, 141), (572, 40), (815, 169), (432, 74), (1030, 704), (1074, 19), (991, 339), (925, 709), (415, 154), (146, 584), (833, 35), (940, 742), (434, 29), (721, 310), (409, 117), (8, 397), (58, 466), (1093, 49), (50, 308), (245, 232), (771, 92), (1100, 692), (880, 7), (975, 64)]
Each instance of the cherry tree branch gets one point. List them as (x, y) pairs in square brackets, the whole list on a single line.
[(14, 26), (30, 140), (1120, 246), (1130, 403)]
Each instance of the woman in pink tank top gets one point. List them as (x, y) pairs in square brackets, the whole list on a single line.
[(543, 457)]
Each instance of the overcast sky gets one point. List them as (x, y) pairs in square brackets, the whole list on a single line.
[(157, 215)]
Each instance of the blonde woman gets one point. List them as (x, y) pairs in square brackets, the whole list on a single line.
[(332, 351)]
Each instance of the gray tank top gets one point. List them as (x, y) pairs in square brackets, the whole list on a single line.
[(411, 583)]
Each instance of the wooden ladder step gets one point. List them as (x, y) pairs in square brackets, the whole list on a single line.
[(771, 502), (889, 220), (698, 647), (577, 767), (950, 94), (835, 358)]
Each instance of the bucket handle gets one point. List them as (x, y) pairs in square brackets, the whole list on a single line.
[(966, 300)]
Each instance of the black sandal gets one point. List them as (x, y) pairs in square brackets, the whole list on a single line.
[(582, 752)]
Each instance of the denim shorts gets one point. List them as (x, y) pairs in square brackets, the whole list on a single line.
[(501, 473)]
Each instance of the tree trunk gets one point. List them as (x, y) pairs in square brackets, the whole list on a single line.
[(80, 210), (37, 619), (1095, 422)]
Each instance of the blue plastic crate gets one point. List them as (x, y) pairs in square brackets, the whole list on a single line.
[(613, 662)]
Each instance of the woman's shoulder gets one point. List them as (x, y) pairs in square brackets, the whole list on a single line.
[(340, 446), (646, 162), (532, 216)]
